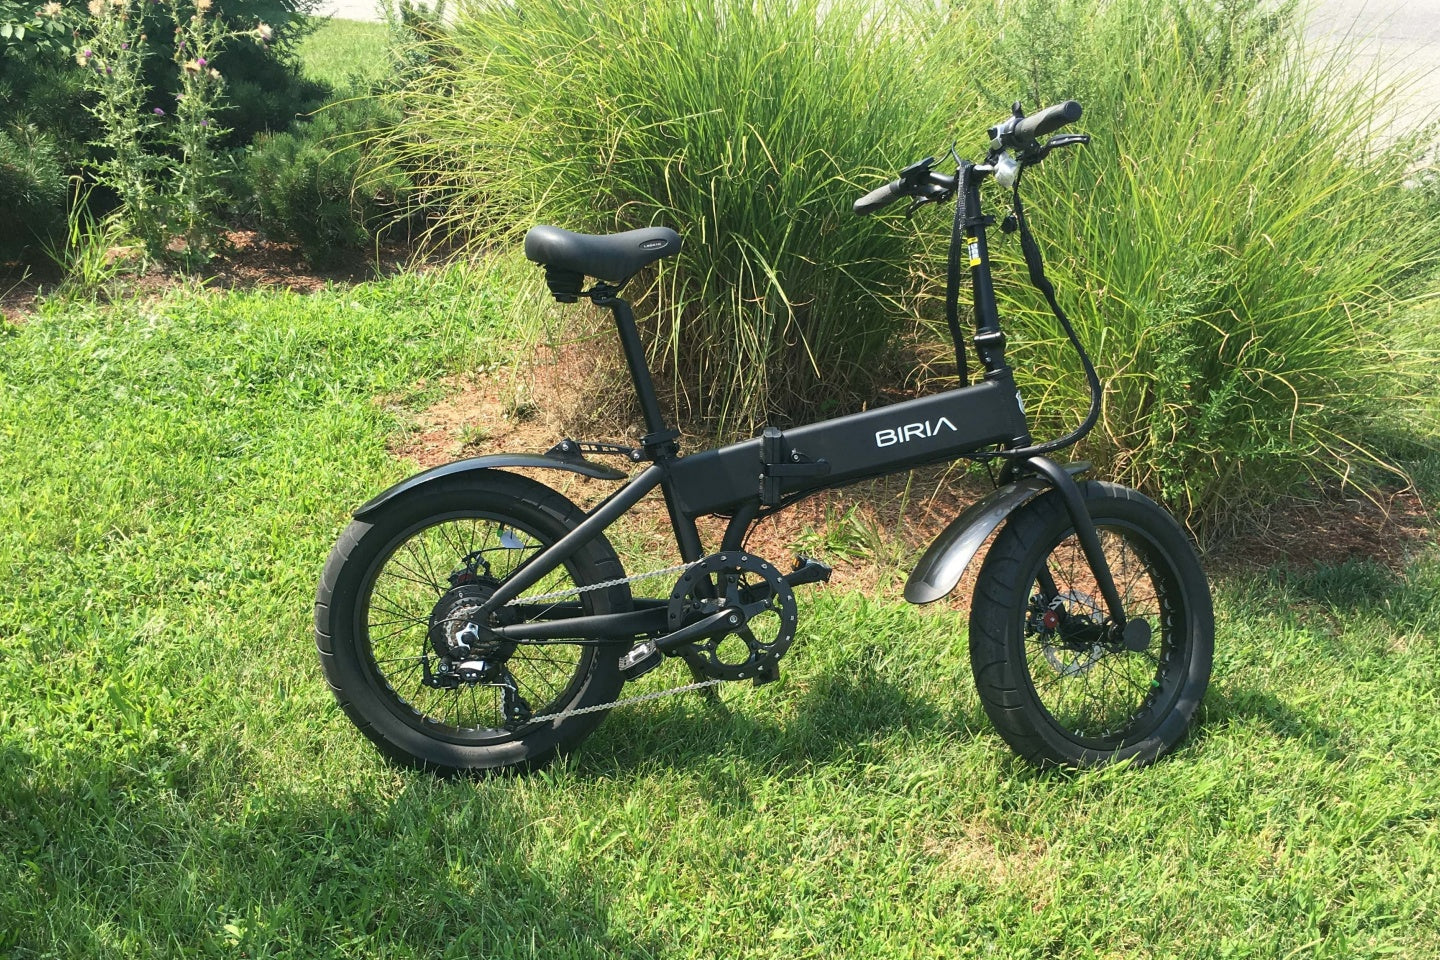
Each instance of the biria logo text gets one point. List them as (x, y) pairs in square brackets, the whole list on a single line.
[(912, 431)]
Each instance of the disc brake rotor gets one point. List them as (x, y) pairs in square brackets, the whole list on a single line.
[(765, 612), (1064, 614)]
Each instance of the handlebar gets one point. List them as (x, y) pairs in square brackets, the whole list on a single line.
[(1021, 132), (1018, 132), (881, 197)]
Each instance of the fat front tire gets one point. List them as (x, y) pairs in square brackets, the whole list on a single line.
[(413, 568), (1055, 687)]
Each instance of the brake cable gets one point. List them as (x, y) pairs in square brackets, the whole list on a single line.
[(1035, 262)]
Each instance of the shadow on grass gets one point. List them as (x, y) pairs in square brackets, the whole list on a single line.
[(846, 716), (162, 855), (1231, 704)]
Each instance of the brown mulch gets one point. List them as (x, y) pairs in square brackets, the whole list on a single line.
[(246, 260)]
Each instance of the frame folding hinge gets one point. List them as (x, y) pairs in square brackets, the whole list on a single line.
[(779, 461)]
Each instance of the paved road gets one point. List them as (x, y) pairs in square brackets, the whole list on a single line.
[(1400, 37), (350, 9)]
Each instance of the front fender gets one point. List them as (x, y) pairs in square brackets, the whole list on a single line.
[(474, 464), (944, 562)]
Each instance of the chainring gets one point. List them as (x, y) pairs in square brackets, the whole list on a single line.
[(755, 590)]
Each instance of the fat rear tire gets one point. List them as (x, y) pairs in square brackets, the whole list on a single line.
[(373, 615)]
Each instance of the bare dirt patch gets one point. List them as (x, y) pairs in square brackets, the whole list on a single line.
[(873, 532)]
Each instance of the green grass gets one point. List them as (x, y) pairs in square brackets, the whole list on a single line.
[(347, 54), (176, 781)]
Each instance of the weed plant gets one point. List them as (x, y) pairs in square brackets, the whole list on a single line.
[(1235, 243), (748, 127)]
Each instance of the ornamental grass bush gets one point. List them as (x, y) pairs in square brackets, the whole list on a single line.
[(749, 127), (1238, 244)]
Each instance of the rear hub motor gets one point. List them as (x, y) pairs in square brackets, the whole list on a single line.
[(469, 652)]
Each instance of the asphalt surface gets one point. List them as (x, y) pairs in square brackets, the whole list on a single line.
[(1398, 39)]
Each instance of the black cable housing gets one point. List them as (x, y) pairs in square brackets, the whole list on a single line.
[(1035, 261)]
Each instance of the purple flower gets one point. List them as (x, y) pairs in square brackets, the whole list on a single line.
[(87, 54), (200, 60), (124, 46), (204, 123), (159, 112)]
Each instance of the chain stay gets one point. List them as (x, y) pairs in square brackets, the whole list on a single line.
[(627, 701)]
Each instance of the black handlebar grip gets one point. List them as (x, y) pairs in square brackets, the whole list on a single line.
[(882, 197), (1047, 121)]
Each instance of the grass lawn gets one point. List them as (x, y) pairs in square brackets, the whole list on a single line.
[(346, 53), (176, 781)]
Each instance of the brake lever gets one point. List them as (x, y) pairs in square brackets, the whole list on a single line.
[(1043, 150), (934, 194)]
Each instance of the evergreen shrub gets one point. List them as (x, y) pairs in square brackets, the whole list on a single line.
[(32, 192), (317, 186)]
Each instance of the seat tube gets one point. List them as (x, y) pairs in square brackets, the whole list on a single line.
[(660, 442)]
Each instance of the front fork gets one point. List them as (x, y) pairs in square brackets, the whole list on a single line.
[(1088, 536)]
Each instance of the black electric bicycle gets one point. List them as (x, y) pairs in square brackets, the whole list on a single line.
[(471, 619)]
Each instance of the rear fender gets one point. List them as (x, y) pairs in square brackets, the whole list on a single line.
[(476, 464), (944, 562)]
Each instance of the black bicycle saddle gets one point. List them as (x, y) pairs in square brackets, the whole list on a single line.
[(613, 258)]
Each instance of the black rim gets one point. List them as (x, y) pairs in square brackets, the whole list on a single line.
[(1100, 694), (412, 574)]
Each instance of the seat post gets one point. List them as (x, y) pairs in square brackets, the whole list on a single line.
[(661, 442), (635, 360)]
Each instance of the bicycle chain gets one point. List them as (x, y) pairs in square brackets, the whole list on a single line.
[(575, 592), (626, 701)]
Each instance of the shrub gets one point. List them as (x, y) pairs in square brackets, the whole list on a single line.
[(750, 127), (1234, 242), (315, 184), (32, 192)]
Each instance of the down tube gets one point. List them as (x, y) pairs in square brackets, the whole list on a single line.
[(889, 439)]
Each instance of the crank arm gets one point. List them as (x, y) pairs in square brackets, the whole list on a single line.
[(715, 625)]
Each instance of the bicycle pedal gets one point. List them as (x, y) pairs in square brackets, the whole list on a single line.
[(640, 660), (807, 570)]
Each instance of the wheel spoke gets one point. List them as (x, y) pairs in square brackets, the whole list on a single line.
[(402, 602)]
